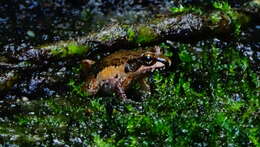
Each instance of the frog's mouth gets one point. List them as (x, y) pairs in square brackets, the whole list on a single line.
[(160, 64)]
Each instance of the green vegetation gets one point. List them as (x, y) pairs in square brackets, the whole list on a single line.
[(224, 10), (65, 49), (222, 5), (77, 88), (130, 34), (74, 48), (210, 98), (145, 34), (215, 17), (186, 9), (141, 35), (236, 18)]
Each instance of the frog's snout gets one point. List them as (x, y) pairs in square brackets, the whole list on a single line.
[(166, 61)]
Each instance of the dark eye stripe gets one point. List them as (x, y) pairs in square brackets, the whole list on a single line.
[(132, 65)]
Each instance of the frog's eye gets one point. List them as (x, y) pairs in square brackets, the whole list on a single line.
[(148, 60)]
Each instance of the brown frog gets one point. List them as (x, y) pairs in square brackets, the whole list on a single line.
[(116, 72)]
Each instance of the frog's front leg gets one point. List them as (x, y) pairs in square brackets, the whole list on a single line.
[(121, 87), (121, 92), (144, 85)]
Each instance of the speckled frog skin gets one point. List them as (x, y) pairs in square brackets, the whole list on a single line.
[(116, 72)]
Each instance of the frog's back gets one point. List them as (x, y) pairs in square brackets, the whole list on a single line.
[(115, 59), (120, 57)]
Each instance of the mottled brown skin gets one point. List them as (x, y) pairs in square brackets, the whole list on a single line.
[(116, 72)]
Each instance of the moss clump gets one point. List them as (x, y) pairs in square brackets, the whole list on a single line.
[(66, 48), (145, 34), (185, 9), (141, 34), (215, 18), (237, 19), (74, 48), (131, 34), (222, 5)]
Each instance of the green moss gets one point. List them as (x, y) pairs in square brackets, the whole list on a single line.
[(64, 49), (74, 48), (166, 50), (145, 34), (141, 35), (222, 5), (184, 54), (131, 34), (185, 9), (215, 18), (98, 141), (179, 9), (237, 19)]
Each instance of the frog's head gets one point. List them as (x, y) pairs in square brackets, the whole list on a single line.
[(148, 61)]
